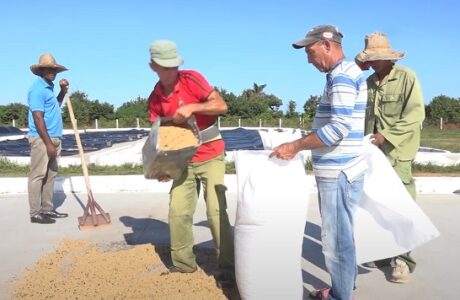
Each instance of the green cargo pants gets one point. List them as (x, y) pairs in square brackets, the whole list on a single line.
[(404, 171), (183, 201)]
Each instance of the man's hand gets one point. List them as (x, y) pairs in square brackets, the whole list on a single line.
[(285, 151), (377, 139), (51, 150), (64, 84), (182, 113)]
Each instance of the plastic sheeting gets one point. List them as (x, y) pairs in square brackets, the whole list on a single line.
[(242, 139), (269, 227), (388, 221), (275, 137)]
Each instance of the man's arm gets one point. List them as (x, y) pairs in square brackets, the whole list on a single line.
[(43, 132), (287, 151), (64, 84), (411, 117), (214, 105)]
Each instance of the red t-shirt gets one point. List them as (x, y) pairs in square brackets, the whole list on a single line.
[(191, 87)]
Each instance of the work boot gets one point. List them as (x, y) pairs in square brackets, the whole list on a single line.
[(175, 269), (400, 272)]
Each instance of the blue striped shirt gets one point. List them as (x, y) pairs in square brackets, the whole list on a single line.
[(339, 123)]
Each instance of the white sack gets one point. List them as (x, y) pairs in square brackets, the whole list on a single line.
[(275, 137), (269, 227), (388, 221)]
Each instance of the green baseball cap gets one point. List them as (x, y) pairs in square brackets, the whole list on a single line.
[(164, 53)]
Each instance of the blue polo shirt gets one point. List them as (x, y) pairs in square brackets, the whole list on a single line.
[(41, 98)]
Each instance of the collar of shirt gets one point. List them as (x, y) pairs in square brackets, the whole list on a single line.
[(335, 66), (45, 83), (158, 91)]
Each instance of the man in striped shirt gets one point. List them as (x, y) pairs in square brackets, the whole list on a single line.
[(336, 144)]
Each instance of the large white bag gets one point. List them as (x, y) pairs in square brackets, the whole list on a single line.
[(388, 221), (269, 228)]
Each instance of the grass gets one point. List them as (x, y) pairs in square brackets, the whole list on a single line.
[(433, 170), (446, 139), (10, 169)]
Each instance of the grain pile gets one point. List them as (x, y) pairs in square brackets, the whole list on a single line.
[(78, 269), (174, 138)]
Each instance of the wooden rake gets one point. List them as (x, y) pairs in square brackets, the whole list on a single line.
[(90, 219)]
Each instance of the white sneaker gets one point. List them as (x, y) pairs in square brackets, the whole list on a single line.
[(400, 272)]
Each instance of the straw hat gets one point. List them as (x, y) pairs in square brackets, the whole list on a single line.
[(47, 61), (377, 47)]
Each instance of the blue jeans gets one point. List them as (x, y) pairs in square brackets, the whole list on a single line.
[(338, 200)]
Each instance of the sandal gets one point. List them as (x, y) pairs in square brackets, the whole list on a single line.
[(321, 294)]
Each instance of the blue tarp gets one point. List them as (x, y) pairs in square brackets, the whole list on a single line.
[(235, 139), (6, 131), (91, 141), (242, 139)]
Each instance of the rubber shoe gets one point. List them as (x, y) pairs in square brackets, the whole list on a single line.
[(400, 272)]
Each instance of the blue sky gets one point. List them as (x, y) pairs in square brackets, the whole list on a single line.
[(232, 43)]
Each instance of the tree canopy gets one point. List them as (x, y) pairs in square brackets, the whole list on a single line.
[(444, 107), (251, 103)]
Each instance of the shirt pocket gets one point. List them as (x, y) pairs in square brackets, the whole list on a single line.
[(392, 104)]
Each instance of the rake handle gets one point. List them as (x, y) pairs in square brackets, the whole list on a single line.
[(80, 147)]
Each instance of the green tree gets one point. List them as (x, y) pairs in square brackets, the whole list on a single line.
[(101, 110), (310, 107), (136, 108), (2, 113), (256, 89), (255, 102), (273, 102), (444, 107), (14, 111), (229, 98), (86, 111), (291, 113)]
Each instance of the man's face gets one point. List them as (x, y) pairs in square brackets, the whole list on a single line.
[(363, 65), (317, 54), (167, 76), (380, 65), (49, 74)]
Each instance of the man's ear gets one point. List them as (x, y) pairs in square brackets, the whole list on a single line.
[(327, 45)]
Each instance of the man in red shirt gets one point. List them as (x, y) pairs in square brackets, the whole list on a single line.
[(181, 95)]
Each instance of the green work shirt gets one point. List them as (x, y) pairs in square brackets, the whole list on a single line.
[(396, 109)]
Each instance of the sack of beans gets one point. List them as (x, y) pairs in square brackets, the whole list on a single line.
[(169, 147)]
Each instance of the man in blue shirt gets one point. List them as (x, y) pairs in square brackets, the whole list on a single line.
[(338, 164), (45, 132)]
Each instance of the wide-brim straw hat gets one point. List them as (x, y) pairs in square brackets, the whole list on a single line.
[(377, 47), (47, 61)]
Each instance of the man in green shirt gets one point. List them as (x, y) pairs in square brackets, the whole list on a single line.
[(395, 112)]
